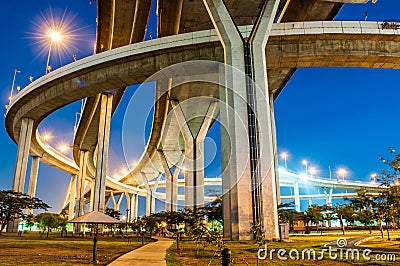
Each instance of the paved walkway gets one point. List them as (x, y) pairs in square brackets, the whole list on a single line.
[(151, 254)]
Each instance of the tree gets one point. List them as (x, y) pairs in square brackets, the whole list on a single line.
[(30, 221), (13, 204), (363, 206), (387, 200), (286, 213), (213, 209), (115, 214), (258, 235), (344, 212), (49, 221), (313, 215)]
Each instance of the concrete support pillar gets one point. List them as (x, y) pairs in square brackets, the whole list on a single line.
[(33, 179), (171, 182), (328, 197), (194, 155), (255, 113), (72, 196), (102, 154), (235, 180), (135, 206), (92, 182), (150, 199), (265, 122), (275, 148), (296, 196), (148, 203), (33, 176), (128, 207), (80, 195), (116, 203), (21, 165)]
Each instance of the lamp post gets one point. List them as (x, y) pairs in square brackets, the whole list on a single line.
[(13, 83), (54, 37), (305, 162), (284, 155)]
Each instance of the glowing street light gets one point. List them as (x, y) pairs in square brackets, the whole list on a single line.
[(284, 155), (305, 162), (63, 148), (47, 136), (313, 171), (54, 37), (342, 172), (124, 171)]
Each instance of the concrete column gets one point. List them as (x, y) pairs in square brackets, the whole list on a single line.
[(296, 196), (328, 197), (149, 195), (128, 207), (33, 179), (80, 195), (135, 206), (194, 155), (148, 203), (102, 154), (92, 182), (235, 158), (275, 148), (255, 114), (116, 203), (33, 176), (21, 165), (263, 110), (72, 196), (171, 182)]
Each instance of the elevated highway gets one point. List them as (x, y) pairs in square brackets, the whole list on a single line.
[(291, 45)]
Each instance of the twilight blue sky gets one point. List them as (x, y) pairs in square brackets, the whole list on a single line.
[(332, 117)]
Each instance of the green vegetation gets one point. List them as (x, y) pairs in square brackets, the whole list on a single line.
[(34, 250), (13, 204), (244, 253)]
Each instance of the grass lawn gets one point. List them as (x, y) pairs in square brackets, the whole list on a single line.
[(31, 249), (245, 252), (380, 242)]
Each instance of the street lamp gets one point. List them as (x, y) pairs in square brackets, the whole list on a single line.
[(313, 171), (12, 86), (305, 162), (54, 37), (284, 155), (342, 172)]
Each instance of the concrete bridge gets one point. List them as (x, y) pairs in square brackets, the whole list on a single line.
[(273, 51)]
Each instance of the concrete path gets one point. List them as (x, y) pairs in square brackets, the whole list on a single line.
[(152, 254)]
